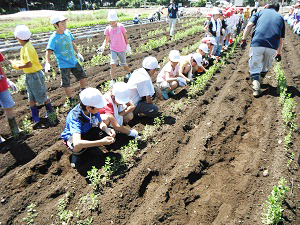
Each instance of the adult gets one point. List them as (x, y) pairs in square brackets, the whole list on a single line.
[(255, 7), (137, 19), (159, 11), (141, 88), (84, 126), (266, 43), (172, 16)]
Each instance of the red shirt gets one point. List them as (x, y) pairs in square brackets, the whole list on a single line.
[(108, 109), (3, 82)]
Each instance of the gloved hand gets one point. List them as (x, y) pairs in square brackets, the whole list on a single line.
[(100, 50), (128, 49), (80, 57), (134, 133), (15, 64), (278, 57), (243, 44), (12, 85), (47, 67), (181, 81), (167, 19)]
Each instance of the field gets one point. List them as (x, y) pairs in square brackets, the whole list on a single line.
[(203, 164)]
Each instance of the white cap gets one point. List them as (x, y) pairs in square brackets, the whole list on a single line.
[(22, 32), (57, 18), (121, 92), (92, 97), (248, 6), (215, 11), (112, 15), (150, 63), (204, 48), (198, 58), (174, 56)]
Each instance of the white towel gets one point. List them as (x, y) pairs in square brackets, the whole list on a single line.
[(117, 109)]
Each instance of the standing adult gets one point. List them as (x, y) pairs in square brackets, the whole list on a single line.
[(255, 7), (172, 16), (266, 43)]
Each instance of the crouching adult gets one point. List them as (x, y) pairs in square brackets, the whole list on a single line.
[(84, 127), (141, 89), (118, 109)]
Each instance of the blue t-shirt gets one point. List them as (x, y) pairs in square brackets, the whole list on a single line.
[(269, 29), (173, 11), (63, 49), (78, 122)]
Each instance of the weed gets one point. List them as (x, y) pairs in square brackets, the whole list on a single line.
[(53, 116), (31, 214), (27, 126), (20, 84)]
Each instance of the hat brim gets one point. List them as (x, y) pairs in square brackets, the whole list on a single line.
[(122, 100), (174, 59)]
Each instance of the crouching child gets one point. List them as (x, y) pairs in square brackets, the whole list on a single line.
[(84, 126)]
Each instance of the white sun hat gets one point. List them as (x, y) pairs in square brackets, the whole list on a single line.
[(174, 56), (212, 40), (112, 15), (204, 48), (150, 63), (121, 92), (215, 11), (57, 18), (22, 32), (198, 58), (92, 97)]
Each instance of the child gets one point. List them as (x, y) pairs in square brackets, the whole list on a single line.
[(61, 42), (214, 29), (137, 19), (35, 78), (189, 65), (208, 16), (246, 15), (167, 80), (118, 109), (84, 126), (6, 101), (116, 34), (151, 17)]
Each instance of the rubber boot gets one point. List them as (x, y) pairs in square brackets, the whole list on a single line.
[(15, 130), (35, 114), (49, 109)]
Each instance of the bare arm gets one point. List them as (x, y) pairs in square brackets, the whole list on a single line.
[(247, 30), (80, 144), (148, 99), (75, 46), (280, 47), (169, 79), (125, 37), (129, 109), (48, 53), (27, 65)]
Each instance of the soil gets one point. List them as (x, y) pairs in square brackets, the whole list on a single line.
[(203, 166)]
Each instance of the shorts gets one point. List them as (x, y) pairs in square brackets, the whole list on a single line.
[(121, 55), (77, 71), (6, 101), (162, 85), (36, 87), (147, 109)]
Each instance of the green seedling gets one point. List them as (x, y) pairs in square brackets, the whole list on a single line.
[(31, 214), (27, 126)]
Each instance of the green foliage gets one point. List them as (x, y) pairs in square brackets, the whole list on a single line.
[(99, 59), (27, 126), (272, 209), (91, 200), (53, 116), (31, 214), (20, 84), (63, 213), (152, 44), (95, 177), (128, 152)]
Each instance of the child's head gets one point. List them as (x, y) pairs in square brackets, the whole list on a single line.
[(120, 93), (91, 100), (248, 7), (215, 13), (196, 59), (112, 17), (150, 64), (174, 57), (202, 49), (59, 22), (22, 33)]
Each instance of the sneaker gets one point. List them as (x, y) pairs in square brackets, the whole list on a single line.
[(165, 94), (128, 75), (74, 161), (171, 93), (256, 88)]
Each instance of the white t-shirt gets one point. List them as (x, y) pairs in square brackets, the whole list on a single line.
[(140, 85), (151, 15)]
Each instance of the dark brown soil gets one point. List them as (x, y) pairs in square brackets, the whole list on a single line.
[(206, 168)]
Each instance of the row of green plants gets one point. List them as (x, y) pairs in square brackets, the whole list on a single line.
[(273, 208), (39, 25)]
